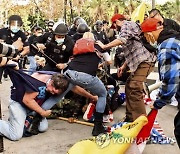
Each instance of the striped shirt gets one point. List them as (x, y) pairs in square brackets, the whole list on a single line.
[(134, 51), (169, 69)]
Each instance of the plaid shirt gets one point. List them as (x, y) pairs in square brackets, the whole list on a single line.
[(134, 51), (169, 69)]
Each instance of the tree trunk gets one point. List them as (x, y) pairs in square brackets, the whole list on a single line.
[(65, 4), (71, 18), (153, 4)]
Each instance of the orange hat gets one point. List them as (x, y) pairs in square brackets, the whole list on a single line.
[(116, 17), (150, 25)]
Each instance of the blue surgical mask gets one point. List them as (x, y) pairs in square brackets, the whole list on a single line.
[(14, 29), (60, 41)]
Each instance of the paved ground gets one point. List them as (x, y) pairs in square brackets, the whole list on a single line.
[(62, 135)]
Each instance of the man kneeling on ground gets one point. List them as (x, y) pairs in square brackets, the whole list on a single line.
[(28, 94)]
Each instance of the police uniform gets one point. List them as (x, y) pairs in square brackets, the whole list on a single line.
[(59, 53), (9, 38)]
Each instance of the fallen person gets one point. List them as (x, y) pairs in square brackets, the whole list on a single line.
[(28, 93)]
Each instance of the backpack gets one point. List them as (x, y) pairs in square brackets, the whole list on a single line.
[(83, 46)]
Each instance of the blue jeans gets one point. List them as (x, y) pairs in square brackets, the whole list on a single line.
[(49, 103), (13, 128), (91, 83), (33, 65)]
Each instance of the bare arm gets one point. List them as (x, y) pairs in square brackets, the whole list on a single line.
[(121, 69), (5, 61), (29, 101), (80, 91), (114, 43), (25, 51)]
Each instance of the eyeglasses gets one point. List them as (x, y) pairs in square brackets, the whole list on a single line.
[(154, 15)]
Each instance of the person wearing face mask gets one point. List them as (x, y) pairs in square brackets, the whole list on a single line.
[(11, 34), (139, 60), (38, 31), (57, 45), (168, 64), (50, 25)]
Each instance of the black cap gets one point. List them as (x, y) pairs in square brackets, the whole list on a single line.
[(61, 29)]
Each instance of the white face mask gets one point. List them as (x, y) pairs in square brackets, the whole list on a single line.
[(38, 34), (14, 29), (60, 41), (154, 44)]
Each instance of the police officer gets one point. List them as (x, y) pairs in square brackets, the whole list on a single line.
[(81, 29), (13, 33), (57, 45), (98, 32), (100, 35), (38, 31), (50, 25), (77, 21)]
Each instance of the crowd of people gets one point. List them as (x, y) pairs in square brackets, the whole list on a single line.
[(73, 55)]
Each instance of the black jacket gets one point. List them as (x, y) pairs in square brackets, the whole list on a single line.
[(59, 53), (171, 24)]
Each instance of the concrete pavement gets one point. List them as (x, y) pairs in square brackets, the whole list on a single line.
[(62, 135)]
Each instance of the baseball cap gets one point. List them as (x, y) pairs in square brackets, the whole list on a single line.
[(150, 25), (117, 17)]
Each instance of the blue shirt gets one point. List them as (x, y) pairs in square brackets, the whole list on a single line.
[(23, 83), (169, 70)]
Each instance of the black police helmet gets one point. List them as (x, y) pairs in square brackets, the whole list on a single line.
[(82, 28), (99, 23), (16, 18), (79, 20), (61, 29)]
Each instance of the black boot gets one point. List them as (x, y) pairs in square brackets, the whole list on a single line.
[(33, 129), (33, 124), (98, 124)]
